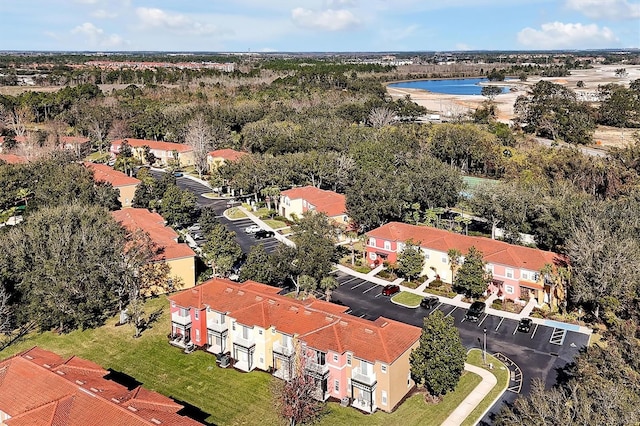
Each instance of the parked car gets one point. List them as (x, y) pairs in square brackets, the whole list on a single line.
[(390, 289), (194, 227), (475, 311), (252, 229), (197, 236), (232, 203), (263, 233), (524, 326), (429, 302), (178, 174)]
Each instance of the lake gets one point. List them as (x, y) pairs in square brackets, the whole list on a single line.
[(459, 86)]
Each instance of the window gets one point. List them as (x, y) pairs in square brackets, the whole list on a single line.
[(524, 275), (372, 256), (444, 258), (260, 332), (233, 326), (383, 368), (509, 289), (409, 379), (349, 359), (335, 357), (197, 335), (509, 273), (490, 268), (387, 245), (173, 304), (400, 246), (372, 242), (384, 397), (336, 386), (197, 314), (184, 312), (426, 253)]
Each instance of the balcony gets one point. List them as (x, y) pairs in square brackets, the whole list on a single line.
[(367, 379), (284, 350), (247, 343), (180, 319), (316, 369), (218, 327)]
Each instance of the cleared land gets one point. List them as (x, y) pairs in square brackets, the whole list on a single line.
[(451, 105)]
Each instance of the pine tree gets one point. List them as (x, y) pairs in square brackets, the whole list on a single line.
[(438, 361)]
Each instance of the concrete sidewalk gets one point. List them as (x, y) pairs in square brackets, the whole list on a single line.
[(476, 396)]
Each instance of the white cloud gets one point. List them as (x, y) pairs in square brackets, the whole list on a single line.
[(103, 14), (158, 18), (324, 20), (96, 37), (340, 3), (606, 9), (556, 35)]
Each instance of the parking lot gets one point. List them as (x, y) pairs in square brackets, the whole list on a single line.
[(537, 353)]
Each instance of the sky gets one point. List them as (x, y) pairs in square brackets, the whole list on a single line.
[(318, 25)]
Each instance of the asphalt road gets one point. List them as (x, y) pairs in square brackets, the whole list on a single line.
[(537, 354), (245, 240)]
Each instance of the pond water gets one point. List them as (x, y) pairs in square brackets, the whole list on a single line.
[(459, 86)]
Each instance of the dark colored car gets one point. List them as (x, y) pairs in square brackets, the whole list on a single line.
[(429, 302), (390, 289), (475, 311), (263, 233), (524, 326)]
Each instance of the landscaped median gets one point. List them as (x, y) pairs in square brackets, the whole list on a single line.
[(405, 298), (228, 396)]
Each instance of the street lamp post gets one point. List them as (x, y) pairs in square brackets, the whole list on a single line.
[(484, 347)]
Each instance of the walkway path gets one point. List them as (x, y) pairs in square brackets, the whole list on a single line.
[(474, 398)]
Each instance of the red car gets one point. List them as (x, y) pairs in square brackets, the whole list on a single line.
[(390, 289)]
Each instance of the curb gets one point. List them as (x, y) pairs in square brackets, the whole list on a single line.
[(497, 398)]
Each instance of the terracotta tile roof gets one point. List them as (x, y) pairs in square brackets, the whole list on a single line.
[(497, 252), (323, 325), (104, 173), (13, 159), (329, 202), (36, 390), (152, 223), (227, 154), (159, 145)]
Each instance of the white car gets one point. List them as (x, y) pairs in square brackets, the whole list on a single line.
[(252, 229), (194, 227)]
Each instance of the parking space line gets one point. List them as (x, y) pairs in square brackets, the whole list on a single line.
[(357, 285), (557, 336), (485, 317), (534, 331), (369, 289), (348, 311), (361, 316), (454, 308), (434, 309), (499, 324), (378, 295), (515, 330), (349, 280)]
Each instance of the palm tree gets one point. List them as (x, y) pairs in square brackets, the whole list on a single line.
[(455, 260)]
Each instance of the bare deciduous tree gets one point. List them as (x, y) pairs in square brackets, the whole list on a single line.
[(381, 116), (200, 140)]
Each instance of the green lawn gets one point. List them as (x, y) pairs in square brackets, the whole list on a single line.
[(275, 224), (408, 299), (228, 396), (502, 374), (235, 213)]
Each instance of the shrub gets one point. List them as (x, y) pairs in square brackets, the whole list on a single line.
[(437, 283)]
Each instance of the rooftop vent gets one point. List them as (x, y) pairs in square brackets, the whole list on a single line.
[(258, 298), (240, 293), (156, 421), (343, 323), (60, 372), (130, 408), (366, 330)]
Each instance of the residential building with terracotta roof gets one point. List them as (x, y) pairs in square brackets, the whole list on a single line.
[(38, 387), (349, 357), (219, 157), (12, 159), (178, 256), (516, 269), (297, 201), (126, 185), (163, 151)]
